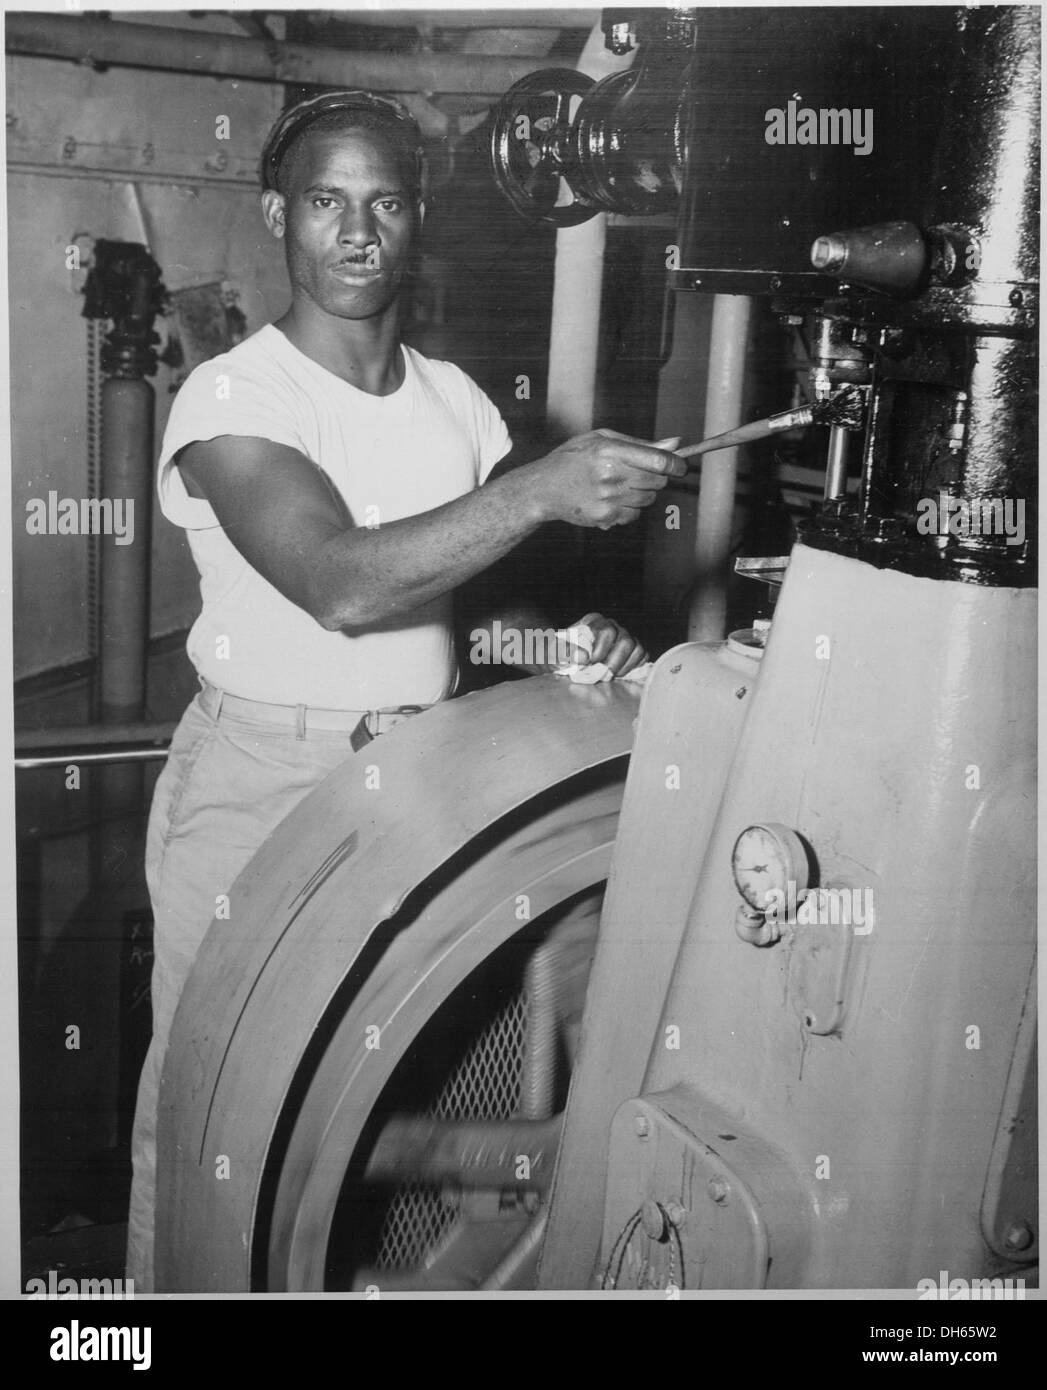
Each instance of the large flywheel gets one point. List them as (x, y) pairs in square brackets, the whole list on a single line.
[(378, 1042)]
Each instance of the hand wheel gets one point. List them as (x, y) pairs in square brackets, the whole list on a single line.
[(532, 142)]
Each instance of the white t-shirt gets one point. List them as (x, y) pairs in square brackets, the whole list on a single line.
[(435, 439)]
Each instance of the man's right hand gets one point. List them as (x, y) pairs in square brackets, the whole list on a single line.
[(603, 478)]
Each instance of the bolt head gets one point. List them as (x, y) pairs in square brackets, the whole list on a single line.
[(885, 528), (642, 1126), (1019, 1236), (718, 1189), (677, 1214)]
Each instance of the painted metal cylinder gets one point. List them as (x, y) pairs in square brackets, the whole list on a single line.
[(728, 347), (987, 174), (127, 459)]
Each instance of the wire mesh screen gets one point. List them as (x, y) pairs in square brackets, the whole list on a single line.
[(498, 1047), (484, 1085), (419, 1216)]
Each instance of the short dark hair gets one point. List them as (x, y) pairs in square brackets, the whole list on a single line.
[(338, 111)]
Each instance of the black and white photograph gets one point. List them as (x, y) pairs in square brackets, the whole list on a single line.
[(522, 633)]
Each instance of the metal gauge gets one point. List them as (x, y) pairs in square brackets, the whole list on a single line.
[(768, 858)]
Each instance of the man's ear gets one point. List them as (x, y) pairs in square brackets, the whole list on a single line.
[(273, 210)]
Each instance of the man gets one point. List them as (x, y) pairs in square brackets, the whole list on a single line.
[(334, 488)]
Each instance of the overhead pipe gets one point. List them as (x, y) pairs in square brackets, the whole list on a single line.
[(106, 41), (472, 20)]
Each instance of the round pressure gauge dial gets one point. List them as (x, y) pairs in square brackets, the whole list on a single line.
[(768, 858)]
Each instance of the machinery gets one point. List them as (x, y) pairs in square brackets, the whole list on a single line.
[(758, 1012)]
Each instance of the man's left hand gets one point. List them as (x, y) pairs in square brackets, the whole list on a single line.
[(617, 649)]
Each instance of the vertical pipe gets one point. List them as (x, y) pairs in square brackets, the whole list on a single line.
[(577, 283), (1000, 455), (668, 565), (127, 456), (127, 460), (92, 712), (723, 411), (836, 471), (94, 491)]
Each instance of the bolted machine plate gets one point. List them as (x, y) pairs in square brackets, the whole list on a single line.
[(696, 1202)]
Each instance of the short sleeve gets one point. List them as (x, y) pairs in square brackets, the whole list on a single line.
[(219, 397), (489, 429)]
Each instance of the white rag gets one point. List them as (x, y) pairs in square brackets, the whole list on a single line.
[(591, 673)]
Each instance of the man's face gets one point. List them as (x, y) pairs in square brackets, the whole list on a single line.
[(348, 217)]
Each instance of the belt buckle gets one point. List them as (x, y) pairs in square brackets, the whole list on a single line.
[(361, 735)]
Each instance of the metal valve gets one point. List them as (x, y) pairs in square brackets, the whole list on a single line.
[(564, 148)]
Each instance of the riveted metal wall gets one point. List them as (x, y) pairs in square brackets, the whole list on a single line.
[(129, 156)]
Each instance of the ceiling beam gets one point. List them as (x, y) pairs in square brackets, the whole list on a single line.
[(103, 41), (466, 18)]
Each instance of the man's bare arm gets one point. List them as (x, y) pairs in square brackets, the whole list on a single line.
[(285, 519)]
